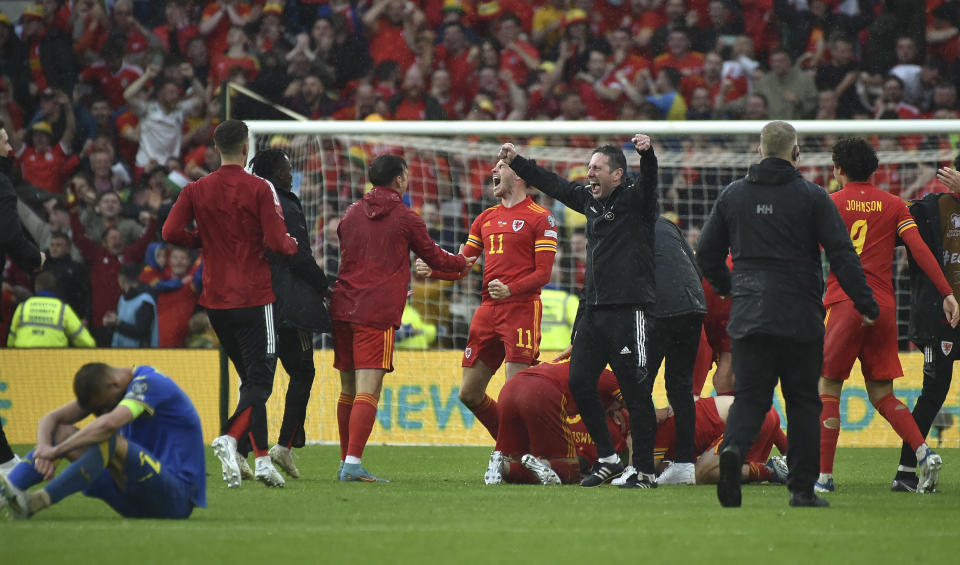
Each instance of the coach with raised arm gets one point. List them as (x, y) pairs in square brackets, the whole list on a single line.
[(774, 222), (619, 288)]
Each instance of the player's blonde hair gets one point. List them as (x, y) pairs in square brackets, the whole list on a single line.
[(777, 139)]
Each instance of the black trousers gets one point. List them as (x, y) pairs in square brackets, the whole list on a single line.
[(614, 335), (6, 453), (758, 362), (937, 375), (295, 350), (249, 338), (674, 340)]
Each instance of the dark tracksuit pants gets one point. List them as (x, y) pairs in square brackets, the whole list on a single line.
[(295, 350), (937, 375), (758, 362), (615, 335), (249, 339), (674, 340)]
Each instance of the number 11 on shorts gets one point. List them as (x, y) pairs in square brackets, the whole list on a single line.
[(520, 333)]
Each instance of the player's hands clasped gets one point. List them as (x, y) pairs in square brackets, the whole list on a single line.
[(507, 152), (640, 141)]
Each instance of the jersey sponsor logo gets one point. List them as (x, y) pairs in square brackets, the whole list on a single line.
[(946, 347), (501, 223), (468, 352), (764, 209), (861, 206), (550, 233), (518, 225)]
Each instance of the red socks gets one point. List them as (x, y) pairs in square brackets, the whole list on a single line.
[(344, 406), (240, 424), (362, 417), (901, 420), (487, 413), (829, 434), (257, 451), (759, 473)]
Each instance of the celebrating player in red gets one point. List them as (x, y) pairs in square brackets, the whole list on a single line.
[(377, 234), (541, 436), (875, 219), (518, 238)]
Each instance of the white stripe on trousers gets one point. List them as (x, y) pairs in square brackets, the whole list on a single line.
[(271, 334), (640, 337)]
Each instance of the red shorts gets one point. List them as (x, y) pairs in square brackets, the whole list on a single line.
[(701, 367), (846, 339), (361, 347), (508, 331), (533, 419), (715, 322)]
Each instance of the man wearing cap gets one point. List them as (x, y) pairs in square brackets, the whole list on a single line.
[(44, 163)]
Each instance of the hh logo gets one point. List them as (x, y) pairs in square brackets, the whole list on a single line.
[(946, 347), (955, 221), (517, 225), (764, 208)]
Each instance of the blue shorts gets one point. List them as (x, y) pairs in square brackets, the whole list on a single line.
[(150, 490)]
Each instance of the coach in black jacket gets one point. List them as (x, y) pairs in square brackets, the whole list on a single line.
[(618, 289), (300, 286), (674, 337), (928, 327), (13, 241), (774, 222)]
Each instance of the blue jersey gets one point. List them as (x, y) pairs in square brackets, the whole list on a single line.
[(169, 428)]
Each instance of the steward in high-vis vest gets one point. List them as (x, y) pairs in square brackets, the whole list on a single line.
[(46, 321)]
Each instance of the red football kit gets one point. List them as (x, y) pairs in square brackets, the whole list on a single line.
[(539, 416), (875, 219), (518, 246)]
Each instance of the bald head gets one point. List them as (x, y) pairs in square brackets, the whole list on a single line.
[(777, 139)]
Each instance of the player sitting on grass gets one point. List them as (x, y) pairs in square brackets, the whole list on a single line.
[(142, 455), (541, 437)]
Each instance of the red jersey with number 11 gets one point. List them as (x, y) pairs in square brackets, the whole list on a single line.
[(874, 219)]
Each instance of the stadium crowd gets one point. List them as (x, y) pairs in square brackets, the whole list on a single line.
[(110, 107)]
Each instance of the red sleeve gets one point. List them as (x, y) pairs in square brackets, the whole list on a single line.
[(136, 251), (427, 249), (545, 248), (272, 223), (175, 228), (90, 250), (924, 258)]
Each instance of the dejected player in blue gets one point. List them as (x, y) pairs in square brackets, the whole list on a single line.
[(143, 454)]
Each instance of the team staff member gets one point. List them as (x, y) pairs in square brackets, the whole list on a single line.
[(619, 288), (875, 219), (238, 217), (15, 242), (928, 327), (774, 223), (300, 285), (518, 240), (377, 234)]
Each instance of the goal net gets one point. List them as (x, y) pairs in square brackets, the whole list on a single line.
[(450, 179)]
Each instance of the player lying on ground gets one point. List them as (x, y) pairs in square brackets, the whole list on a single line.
[(541, 437), (712, 414), (142, 455)]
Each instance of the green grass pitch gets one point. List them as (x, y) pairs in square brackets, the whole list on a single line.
[(437, 510)]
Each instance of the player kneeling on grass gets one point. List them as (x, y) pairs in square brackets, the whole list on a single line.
[(142, 455), (541, 437)]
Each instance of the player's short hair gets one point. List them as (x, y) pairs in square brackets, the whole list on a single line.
[(385, 168), (615, 155), (45, 281), (229, 136), (777, 139), (266, 163), (89, 382), (855, 157)]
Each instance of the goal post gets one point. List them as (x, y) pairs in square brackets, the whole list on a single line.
[(450, 165)]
